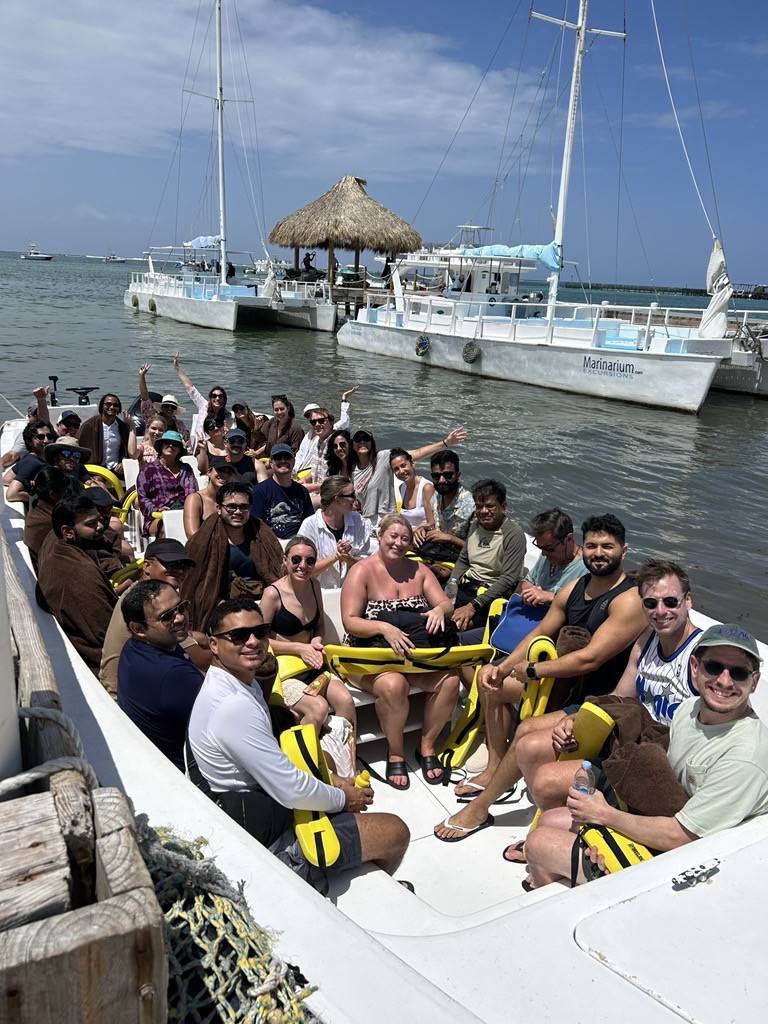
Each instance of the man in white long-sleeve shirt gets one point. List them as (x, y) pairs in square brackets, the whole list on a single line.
[(230, 735)]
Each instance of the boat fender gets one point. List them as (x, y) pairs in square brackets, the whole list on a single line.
[(135, 301), (422, 345), (151, 306), (471, 352), (314, 829), (537, 691), (491, 301)]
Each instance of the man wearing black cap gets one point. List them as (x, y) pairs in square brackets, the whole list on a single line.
[(156, 682), (168, 561), (282, 503), (245, 469), (68, 423), (718, 752)]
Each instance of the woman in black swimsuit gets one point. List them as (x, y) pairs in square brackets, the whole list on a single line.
[(294, 606)]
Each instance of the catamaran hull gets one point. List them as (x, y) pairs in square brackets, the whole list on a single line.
[(666, 380), (199, 312), (229, 314), (745, 373)]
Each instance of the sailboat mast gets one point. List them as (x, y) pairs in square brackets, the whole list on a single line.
[(570, 132), (220, 137)]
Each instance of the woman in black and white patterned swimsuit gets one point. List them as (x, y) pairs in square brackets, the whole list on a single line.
[(389, 580)]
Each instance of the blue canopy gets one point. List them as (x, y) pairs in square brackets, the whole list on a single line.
[(203, 242), (546, 254)]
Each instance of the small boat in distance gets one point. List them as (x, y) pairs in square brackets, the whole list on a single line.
[(33, 254), (111, 258)]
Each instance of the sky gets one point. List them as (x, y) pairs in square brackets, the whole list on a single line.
[(439, 105)]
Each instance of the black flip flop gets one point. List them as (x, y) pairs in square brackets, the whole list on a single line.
[(399, 768), (428, 763), (518, 848)]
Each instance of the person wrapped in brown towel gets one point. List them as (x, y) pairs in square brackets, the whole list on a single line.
[(70, 583), (235, 554)]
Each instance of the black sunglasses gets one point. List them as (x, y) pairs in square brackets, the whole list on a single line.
[(362, 437), (737, 673), (217, 394), (444, 476), (44, 437), (549, 548), (236, 441), (350, 494), (298, 559), (171, 613), (242, 634), (318, 419), (236, 506), (670, 601)]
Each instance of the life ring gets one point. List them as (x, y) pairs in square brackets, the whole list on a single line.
[(135, 301), (471, 352), (491, 301), (422, 345), (151, 306)]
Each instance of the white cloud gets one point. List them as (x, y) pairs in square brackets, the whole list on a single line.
[(332, 95), (711, 110)]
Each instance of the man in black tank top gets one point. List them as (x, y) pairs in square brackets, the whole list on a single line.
[(606, 603)]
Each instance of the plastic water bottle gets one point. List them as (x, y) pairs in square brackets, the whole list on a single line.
[(584, 779), (451, 590)]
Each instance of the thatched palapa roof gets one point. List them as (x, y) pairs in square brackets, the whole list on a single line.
[(345, 217)]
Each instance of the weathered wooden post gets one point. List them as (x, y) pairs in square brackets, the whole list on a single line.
[(10, 744)]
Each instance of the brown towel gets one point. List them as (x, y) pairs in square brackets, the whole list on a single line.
[(636, 766), (569, 639), (74, 589), (91, 435), (208, 582), (37, 526)]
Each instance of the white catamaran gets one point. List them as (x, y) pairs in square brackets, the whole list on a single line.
[(182, 284), (478, 324)]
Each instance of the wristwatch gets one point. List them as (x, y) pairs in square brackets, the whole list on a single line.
[(530, 670)]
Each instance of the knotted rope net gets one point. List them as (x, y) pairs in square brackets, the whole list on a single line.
[(221, 967)]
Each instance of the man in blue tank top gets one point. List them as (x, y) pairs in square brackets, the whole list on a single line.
[(606, 604)]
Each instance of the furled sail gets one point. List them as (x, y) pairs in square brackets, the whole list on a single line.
[(203, 242), (546, 254), (714, 321)]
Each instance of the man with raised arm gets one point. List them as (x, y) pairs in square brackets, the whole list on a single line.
[(605, 603), (718, 751), (452, 510), (231, 738)]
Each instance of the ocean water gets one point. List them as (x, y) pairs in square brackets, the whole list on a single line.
[(693, 489)]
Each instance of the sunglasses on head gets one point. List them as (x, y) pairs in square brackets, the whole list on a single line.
[(549, 548), (69, 454), (279, 398), (738, 673), (171, 613), (670, 601), (242, 634), (298, 559)]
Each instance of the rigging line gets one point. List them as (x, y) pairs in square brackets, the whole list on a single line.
[(677, 120), (247, 177), (586, 204), (466, 112), (553, 123), (258, 206), (701, 118), (184, 113), (621, 147), (626, 190), (509, 119)]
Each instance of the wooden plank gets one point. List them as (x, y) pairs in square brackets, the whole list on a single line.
[(47, 741), (111, 954), (34, 900), (111, 811), (119, 865)]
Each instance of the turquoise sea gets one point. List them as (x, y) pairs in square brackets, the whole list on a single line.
[(689, 488)]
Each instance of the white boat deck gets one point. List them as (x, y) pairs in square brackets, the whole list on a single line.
[(469, 945)]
